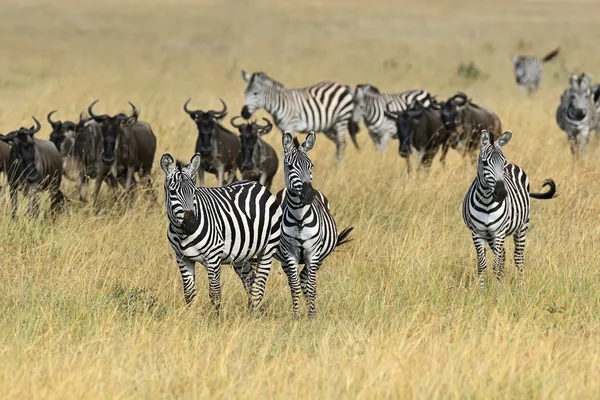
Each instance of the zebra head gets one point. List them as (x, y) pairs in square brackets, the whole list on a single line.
[(297, 167), (490, 168), (258, 92), (180, 193), (360, 106), (451, 109), (579, 97)]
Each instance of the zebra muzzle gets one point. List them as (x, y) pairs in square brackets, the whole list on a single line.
[(246, 114), (308, 193), (499, 192), (190, 222)]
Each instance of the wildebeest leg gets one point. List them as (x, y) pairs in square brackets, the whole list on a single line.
[(201, 177), (407, 164), (263, 178), (220, 174), (83, 188), (427, 159), (231, 176), (13, 199), (100, 175), (129, 182), (58, 201), (246, 274), (34, 206), (445, 148)]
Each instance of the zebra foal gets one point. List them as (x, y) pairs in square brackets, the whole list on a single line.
[(308, 230), (228, 225), (497, 206)]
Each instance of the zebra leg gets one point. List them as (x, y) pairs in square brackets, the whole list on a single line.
[(290, 267), (480, 248), (308, 282), (187, 268), (263, 269), (214, 283), (497, 245), (246, 274), (573, 143), (585, 133), (519, 238), (338, 136)]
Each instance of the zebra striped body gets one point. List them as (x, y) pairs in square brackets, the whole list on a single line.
[(325, 107), (370, 105), (308, 230), (233, 225), (577, 114), (528, 71), (497, 206)]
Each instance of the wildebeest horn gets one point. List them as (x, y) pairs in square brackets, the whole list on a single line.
[(185, 108), (234, 124), (219, 114), (392, 115), (80, 117), (103, 116), (268, 125), (50, 119), (35, 129), (136, 112)]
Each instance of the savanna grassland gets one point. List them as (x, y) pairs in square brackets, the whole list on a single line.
[(91, 306)]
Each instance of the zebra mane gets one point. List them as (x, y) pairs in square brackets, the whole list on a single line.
[(296, 142), (179, 164)]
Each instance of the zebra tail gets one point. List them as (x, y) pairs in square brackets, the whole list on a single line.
[(353, 130), (547, 195), (343, 237), (551, 55)]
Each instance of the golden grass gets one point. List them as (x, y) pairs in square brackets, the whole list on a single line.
[(92, 307)]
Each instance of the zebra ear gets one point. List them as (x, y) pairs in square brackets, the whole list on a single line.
[(246, 76), (167, 163), (288, 142), (485, 139), (503, 139), (574, 81), (586, 81), (194, 164), (309, 142)]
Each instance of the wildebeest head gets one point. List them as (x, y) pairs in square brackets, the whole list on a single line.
[(206, 122), (63, 134), (259, 85), (111, 128), (491, 165), (23, 151), (249, 134), (579, 96), (406, 121), (297, 167), (451, 108)]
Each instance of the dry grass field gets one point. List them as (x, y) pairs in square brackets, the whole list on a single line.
[(91, 306)]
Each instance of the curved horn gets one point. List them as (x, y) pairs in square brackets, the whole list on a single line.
[(35, 129), (49, 118), (268, 125), (80, 117), (391, 115), (103, 116), (135, 111), (219, 114), (185, 108), (234, 124)]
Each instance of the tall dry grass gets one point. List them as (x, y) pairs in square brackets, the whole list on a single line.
[(92, 307)]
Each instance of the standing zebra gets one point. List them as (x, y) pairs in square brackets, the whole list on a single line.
[(576, 114), (497, 205), (370, 105), (528, 70), (308, 230), (233, 225), (325, 107)]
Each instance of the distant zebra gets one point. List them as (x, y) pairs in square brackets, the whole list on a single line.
[(497, 205), (233, 225), (577, 113), (528, 70), (308, 230), (324, 107), (370, 105)]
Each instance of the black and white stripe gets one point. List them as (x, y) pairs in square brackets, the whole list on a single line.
[(577, 114), (497, 205), (528, 71), (325, 107), (232, 225), (308, 230), (370, 105)]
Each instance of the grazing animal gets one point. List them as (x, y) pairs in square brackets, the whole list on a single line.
[(230, 225), (528, 71), (422, 129), (219, 147), (308, 230), (324, 107), (4, 151), (370, 105), (128, 147), (34, 165), (465, 120), (497, 205), (63, 135), (258, 160), (577, 113)]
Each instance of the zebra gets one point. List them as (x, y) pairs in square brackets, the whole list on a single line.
[(308, 230), (324, 107), (235, 224), (528, 70), (577, 113), (370, 105), (497, 205)]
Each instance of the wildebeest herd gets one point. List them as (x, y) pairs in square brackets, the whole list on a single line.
[(241, 222)]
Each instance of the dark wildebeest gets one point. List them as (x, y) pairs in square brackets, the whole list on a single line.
[(218, 147), (34, 165), (128, 146), (4, 151), (422, 129), (258, 160), (465, 121)]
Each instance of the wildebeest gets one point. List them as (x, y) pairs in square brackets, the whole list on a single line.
[(258, 160), (128, 146), (219, 148), (422, 129), (465, 121), (34, 165), (4, 151)]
